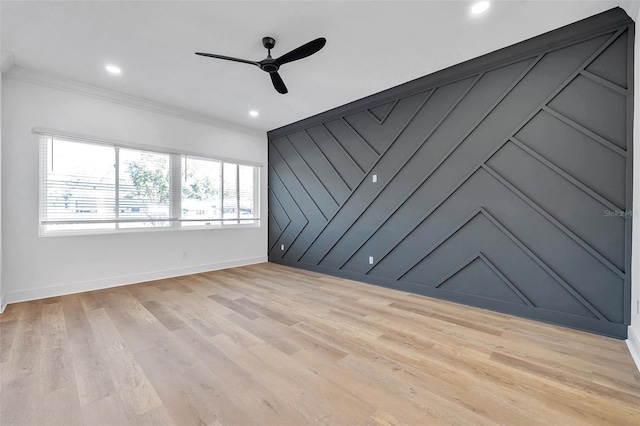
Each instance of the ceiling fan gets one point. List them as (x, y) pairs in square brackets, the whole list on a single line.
[(271, 65)]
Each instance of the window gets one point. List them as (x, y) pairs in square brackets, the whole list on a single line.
[(144, 188), (201, 192), (217, 193), (97, 187)]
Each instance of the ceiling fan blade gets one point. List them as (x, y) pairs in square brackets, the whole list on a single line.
[(278, 83), (228, 58), (303, 51)]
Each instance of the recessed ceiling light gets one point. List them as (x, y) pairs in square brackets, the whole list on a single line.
[(480, 7), (113, 69), (254, 113)]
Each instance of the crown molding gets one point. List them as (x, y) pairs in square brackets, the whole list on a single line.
[(56, 82), (6, 61)]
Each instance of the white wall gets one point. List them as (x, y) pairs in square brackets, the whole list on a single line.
[(36, 267)]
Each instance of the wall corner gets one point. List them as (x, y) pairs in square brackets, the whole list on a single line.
[(633, 343)]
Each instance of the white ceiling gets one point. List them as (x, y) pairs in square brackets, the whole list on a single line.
[(371, 46)]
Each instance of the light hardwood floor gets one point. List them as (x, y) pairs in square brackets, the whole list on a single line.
[(270, 345)]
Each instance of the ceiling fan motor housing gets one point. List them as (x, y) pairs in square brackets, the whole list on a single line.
[(268, 66)]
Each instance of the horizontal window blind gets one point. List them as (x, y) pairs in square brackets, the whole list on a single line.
[(90, 186), (217, 193)]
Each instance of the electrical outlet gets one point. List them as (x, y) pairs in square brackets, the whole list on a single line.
[(281, 247), (184, 254), (370, 260), (374, 178)]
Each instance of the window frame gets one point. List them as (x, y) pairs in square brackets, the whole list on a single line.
[(175, 218), (256, 193)]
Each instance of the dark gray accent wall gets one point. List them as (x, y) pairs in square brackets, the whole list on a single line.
[(502, 182)]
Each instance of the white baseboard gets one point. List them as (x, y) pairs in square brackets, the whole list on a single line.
[(633, 342), (3, 303), (79, 287)]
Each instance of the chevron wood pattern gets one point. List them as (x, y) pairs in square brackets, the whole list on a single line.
[(504, 188)]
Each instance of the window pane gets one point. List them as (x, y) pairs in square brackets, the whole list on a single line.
[(201, 197), (144, 188), (246, 193), (80, 185), (230, 200)]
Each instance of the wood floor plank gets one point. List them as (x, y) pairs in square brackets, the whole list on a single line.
[(60, 407), (56, 367), (105, 411), (7, 335), (24, 357), (271, 345), (185, 403), (235, 306), (19, 399), (92, 369), (75, 318), (137, 394)]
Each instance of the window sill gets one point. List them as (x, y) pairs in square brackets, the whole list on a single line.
[(144, 230)]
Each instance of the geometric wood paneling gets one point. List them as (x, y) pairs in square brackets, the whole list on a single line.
[(503, 185)]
